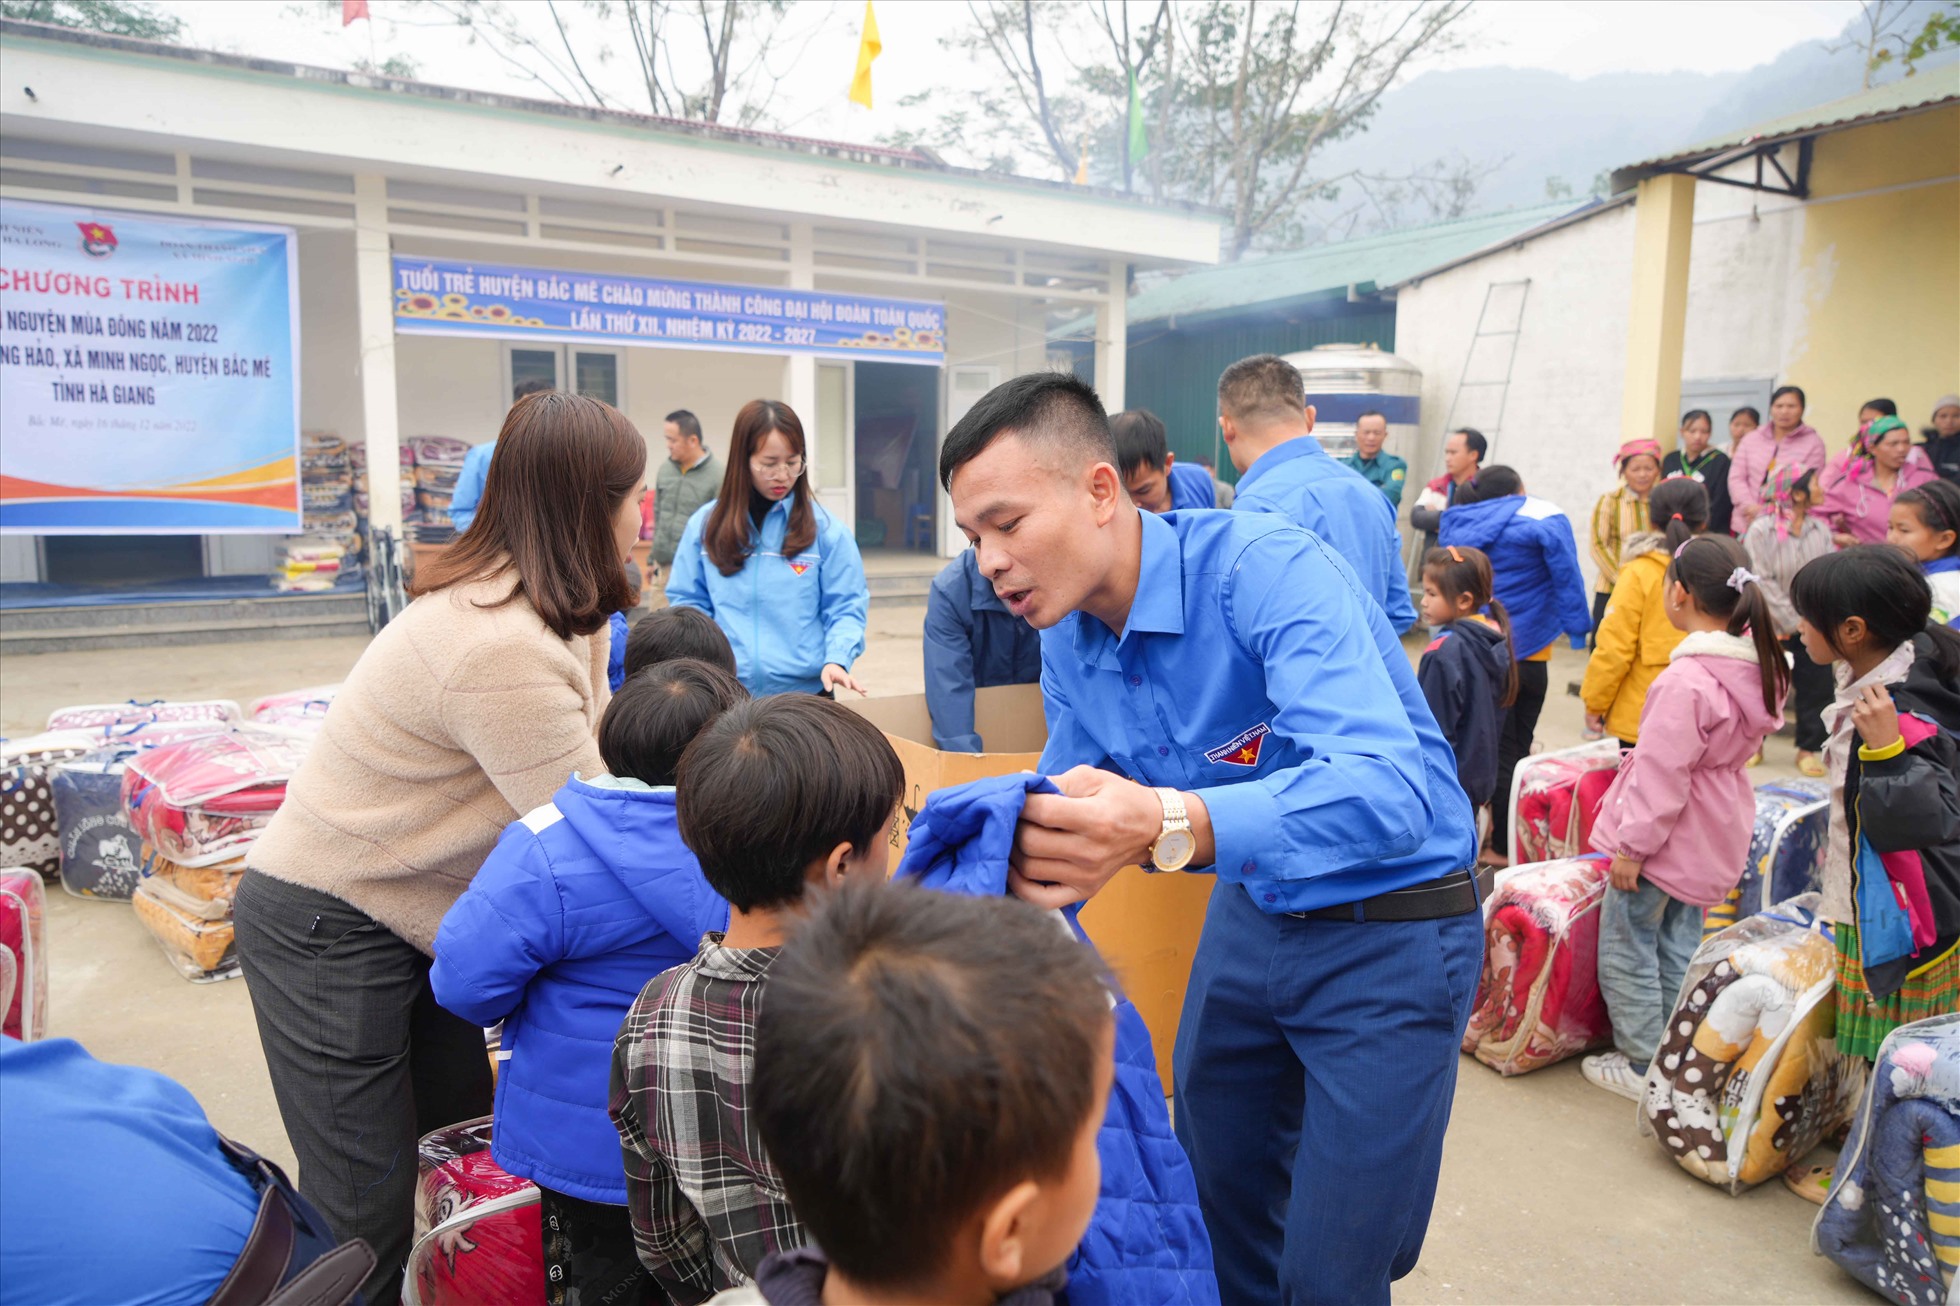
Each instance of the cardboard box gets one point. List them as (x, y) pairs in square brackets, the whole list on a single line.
[(1146, 926)]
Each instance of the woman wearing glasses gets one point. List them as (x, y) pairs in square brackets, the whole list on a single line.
[(780, 576)]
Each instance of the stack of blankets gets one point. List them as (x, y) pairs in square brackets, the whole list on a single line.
[(327, 491), (198, 806), (311, 564), (438, 462), (362, 492)]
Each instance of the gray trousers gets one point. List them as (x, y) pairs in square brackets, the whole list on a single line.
[(363, 1061)]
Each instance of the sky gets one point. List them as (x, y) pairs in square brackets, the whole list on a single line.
[(1581, 38)]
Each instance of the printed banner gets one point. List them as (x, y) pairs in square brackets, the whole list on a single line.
[(445, 297), (148, 374)]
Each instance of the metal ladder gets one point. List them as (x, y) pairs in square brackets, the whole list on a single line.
[(1510, 309)]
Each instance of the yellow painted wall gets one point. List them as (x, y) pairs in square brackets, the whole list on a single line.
[(1878, 296)]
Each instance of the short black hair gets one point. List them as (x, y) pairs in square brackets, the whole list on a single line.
[(776, 783), (1372, 412), (1493, 482), (1057, 408), (1473, 440), (684, 422), (1883, 407), (1262, 386), (657, 713), (1882, 584), (537, 385), (1141, 441), (1754, 416), (907, 1073), (668, 633)]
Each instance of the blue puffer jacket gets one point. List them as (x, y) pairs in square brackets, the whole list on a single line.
[(785, 617), (580, 904), (1535, 560), (1146, 1241)]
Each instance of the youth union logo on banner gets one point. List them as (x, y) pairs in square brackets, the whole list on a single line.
[(97, 239)]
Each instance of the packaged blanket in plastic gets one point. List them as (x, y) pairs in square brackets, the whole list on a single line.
[(157, 711), (1554, 798), (1538, 1000), (23, 935), (1786, 850), (304, 709), (1748, 1077), (206, 799), (101, 852), (194, 933), (477, 1237), (1893, 1215), (30, 834)]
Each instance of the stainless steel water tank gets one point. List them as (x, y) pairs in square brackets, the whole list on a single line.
[(1345, 381)]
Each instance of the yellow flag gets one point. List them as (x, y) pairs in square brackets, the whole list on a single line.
[(869, 48)]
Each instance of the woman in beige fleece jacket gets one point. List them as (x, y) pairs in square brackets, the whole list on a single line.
[(468, 710)]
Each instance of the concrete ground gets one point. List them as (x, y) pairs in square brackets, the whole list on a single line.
[(1547, 1193)]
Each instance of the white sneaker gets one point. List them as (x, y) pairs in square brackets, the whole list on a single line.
[(1614, 1073)]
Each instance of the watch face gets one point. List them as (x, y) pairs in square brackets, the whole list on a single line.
[(1174, 849)]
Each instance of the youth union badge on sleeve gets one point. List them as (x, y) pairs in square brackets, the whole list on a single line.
[(1243, 750)]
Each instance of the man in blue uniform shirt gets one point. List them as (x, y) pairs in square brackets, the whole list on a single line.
[(1223, 697), (972, 641), (1154, 477), (1268, 428)]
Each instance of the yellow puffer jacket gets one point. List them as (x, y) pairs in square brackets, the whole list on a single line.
[(1634, 639)]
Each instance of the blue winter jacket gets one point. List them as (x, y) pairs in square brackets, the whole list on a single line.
[(1297, 480), (617, 631), (972, 641), (786, 617), (1146, 1241), (580, 904), (1536, 563)]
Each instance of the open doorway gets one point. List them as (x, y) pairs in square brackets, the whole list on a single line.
[(897, 458)]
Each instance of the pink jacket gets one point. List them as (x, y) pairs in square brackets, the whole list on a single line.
[(1751, 461), (1682, 804), (1856, 505)]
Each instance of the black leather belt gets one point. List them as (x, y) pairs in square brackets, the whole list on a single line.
[(1447, 895)]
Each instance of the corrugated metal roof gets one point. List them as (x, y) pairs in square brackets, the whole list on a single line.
[(1908, 95), (1328, 269)]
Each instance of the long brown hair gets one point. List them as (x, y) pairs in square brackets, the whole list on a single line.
[(562, 465), (1456, 571), (726, 536)]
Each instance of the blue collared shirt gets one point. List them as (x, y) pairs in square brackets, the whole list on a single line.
[(1301, 483), (971, 641), (1191, 487), (1256, 670)]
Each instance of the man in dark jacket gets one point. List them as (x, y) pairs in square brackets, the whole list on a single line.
[(1534, 558), (689, 478), (1463, 458), (972, 641)]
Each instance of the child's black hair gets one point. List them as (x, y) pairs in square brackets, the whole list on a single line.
[(669, 633), (773, 785), (1494, 482), (657, 713), (1678, 507), (1938, 506), (917, 1055), (1883, 586), (1456, 570), (1714, 571)]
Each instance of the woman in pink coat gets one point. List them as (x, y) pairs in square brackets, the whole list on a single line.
[(1784, 443), (1858, 505)]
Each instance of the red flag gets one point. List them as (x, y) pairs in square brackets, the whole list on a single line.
[(352, 9)]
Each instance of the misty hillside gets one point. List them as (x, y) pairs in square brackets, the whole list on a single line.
[(1534, 126)]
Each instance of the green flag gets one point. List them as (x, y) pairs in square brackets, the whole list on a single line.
[(1139, 143)]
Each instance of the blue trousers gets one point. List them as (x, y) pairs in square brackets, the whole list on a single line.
[(1646, 940), (1315, 1067)]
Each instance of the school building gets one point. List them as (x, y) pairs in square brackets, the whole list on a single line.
[(369, 170)]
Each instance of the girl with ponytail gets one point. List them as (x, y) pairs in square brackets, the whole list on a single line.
[(1678, 818), (1634, 638), (1469, 672)]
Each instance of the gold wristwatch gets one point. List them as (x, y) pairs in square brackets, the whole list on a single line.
[(1175, 844)]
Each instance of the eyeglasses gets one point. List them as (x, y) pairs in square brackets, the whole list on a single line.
[(794, 467)]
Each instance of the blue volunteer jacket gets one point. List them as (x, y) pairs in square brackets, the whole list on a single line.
[(972, 641), (1297, 480), (1536, 564), (617, 631), (785, 617), (1191, 487), (1146, 1241), (469, 485), (580, 904)]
